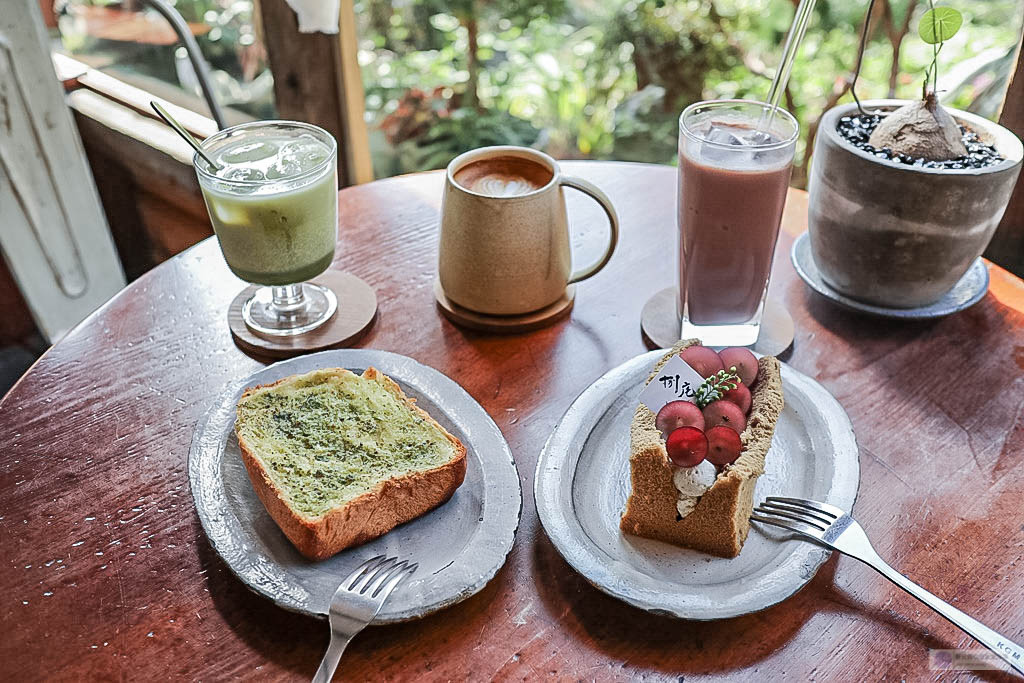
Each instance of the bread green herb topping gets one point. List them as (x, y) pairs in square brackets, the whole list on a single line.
[(326, 437)]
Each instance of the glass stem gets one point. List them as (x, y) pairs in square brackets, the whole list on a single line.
[(288, 299)]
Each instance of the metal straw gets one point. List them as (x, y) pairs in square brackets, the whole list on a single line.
[(185, 135), (793, 39)]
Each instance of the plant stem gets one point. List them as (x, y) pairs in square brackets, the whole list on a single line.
[(860, 55), (933, 68)]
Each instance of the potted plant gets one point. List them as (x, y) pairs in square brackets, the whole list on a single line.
[(904, 196)]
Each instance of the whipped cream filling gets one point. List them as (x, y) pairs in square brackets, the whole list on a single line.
[(692, 482)]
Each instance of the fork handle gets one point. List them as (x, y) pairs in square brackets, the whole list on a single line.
[(329, 663), (1009, 651)]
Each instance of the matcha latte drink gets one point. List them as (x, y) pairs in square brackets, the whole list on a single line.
[(273, 202)]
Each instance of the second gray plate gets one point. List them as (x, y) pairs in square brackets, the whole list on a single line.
[(583, 480), (459, 546)]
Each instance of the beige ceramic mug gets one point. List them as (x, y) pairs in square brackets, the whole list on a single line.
[(505, 232)]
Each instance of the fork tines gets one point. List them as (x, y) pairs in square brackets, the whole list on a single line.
[(378, 573), (797, 514)]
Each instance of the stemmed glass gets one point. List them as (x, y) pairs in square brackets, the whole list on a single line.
[(273, 203)]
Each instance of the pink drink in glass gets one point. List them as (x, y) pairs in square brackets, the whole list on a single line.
[(733, 181)]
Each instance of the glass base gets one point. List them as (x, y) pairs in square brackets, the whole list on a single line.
[(290, 310), (743, 334), (721, 335)]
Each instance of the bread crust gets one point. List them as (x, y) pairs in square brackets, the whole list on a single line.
[(369, 515), (720, 522)]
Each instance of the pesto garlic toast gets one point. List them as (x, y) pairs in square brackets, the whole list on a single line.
[(339, 459)]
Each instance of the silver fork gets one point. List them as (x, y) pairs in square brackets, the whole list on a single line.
[(830, 526), (356, 602)]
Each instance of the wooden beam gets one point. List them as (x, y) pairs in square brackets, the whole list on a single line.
[(357, 151), (317, 80), (76, 75), (137, 138), (1007, 245)]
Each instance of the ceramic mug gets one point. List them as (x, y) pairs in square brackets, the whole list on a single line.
[(508, 252)]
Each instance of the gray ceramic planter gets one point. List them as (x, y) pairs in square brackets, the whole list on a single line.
[(899, 236)]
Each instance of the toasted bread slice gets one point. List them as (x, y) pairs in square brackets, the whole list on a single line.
[(720, 522), (339, 459)]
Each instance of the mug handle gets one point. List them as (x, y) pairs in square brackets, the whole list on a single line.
[(613, 220)]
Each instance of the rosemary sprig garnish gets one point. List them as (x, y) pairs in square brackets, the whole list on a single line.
[(715, 386)]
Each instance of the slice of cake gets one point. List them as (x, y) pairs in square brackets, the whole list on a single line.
[(702, 496), (339, 459)]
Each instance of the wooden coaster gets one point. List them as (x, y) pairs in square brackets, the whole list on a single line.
[(504, 324), (661, 326), (357, 310)]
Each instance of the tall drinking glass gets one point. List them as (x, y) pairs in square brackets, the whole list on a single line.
[(274, 207), (732, 188)]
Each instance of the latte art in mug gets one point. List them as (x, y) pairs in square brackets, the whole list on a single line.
[(503, 176)]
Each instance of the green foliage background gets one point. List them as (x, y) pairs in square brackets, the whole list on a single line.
[(592, 79), (602, 79)]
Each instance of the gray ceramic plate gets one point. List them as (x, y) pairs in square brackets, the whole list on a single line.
[(968, 290), (582, 483), (460, 546)]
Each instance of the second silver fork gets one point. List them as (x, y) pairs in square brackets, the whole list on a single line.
[(834, 528)]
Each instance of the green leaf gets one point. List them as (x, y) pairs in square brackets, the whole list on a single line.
[(939, 25)]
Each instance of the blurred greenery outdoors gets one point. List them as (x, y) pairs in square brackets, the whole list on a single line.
[(607, 80), (602, 79)]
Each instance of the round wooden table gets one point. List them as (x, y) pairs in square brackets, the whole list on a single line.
[(106, 573)]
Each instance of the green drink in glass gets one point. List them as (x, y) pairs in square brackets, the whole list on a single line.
[(273, 202)]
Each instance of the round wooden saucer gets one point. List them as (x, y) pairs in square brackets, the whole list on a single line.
[(504, 324), (660, 324), (357, 310)]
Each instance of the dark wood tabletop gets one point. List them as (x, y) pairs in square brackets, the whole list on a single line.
[(106, 573)]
